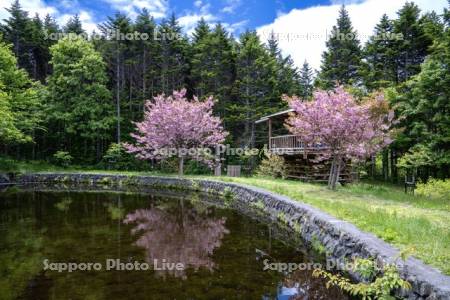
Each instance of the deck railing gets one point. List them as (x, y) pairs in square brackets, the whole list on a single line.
[(286, 142), (291, 143)]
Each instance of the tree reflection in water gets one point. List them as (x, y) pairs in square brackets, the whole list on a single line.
[(188, 237)]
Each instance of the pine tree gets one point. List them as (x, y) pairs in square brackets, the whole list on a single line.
[(79, 103), (412, 48), (74, 26), (380, 68), (174, 61), (255, 81), (272, 45), (17, 30), (201, 31), (202, 61), (287, 77), (213, 65), (342, 59), (147, 52), (50, 29), (306, 81), (423, 105), (114, 49), (39, 50)]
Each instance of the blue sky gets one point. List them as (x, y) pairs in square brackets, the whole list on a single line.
[(239, 14), (301, 25)]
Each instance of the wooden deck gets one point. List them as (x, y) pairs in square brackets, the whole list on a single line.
[(291, 144), (301, 160)]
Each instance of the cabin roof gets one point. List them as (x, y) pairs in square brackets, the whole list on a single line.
[(280, 113)]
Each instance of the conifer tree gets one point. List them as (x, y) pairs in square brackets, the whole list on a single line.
[(380, 68), (51, 29), (17, 30), (255, 81), (174, 64), (286, 73), (202, 61), (74, 26), (412, 48), (114, 48), (306, 81), (423, 105), (147, 52), (342, 59)]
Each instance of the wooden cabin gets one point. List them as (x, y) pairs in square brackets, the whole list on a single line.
[(301, 161)]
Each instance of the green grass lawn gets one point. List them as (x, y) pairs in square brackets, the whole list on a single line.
[(403, 220)]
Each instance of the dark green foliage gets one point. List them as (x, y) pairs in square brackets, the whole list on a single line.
[(254, 85), (18, 30), (306, 80), (62, 158), (74, 26), (213, 64), (116, 158), (342, 59), (423, 105), (380, 68), (174, 61), (412, 49)]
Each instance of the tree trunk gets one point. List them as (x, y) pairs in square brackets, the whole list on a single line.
[(394, 174), (385, 165), (181, 166), (118, 94), (373, 166), (330, 177), (335, 171)]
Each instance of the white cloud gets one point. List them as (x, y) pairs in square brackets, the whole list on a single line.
[(68, 4), (198, 3), (235, 27), (41, 8), (32, 6), (189, 21), (157, 8), (303, 32), (85, 17), (231, 6)]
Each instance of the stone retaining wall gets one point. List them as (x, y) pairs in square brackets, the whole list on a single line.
[(341, 239)]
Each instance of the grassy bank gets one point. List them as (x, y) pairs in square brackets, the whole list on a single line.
[(403, 220)]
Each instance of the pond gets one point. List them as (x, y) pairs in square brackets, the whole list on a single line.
[(144, 245)]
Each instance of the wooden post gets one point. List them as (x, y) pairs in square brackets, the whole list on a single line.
[(270, 133), (218, 168)]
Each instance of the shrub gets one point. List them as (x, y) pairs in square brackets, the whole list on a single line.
[(194, 167), (117, 158), (380, 285), (62, 158), (435, 189), (273, 166)]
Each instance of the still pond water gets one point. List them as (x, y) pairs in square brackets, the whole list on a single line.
[(193, 248)]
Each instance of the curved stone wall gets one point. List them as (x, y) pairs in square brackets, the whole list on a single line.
[(341, 239)]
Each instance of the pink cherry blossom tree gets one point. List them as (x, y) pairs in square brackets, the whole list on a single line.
[(343, 128), (173, 125)]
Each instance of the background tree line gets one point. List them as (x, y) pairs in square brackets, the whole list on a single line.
[(81, 96)]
